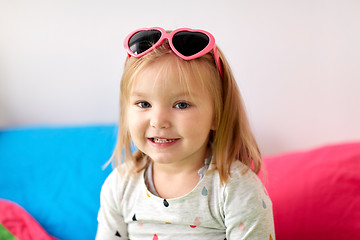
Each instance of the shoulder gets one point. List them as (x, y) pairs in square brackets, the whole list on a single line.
[(118, 176), (247, 206), (119, 181), (242, 176), (244, 187)]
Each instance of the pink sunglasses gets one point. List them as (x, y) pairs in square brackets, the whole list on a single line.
[(186, 43)]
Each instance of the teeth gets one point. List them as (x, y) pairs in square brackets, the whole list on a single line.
[(158, 140)]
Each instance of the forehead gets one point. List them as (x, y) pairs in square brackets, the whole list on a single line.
[(170, 75)]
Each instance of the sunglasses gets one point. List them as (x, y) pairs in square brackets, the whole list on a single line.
[(186, 43)]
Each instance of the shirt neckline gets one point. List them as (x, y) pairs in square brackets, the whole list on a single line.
[(148, 176)]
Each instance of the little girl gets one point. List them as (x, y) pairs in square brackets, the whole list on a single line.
[(193, 175)]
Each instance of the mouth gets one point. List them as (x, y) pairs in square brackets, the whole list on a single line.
[(162, 140)]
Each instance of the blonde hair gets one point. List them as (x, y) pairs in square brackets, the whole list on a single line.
[(231, 141)]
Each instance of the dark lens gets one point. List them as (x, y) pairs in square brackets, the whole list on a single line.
[(190, 43), (143, 40)]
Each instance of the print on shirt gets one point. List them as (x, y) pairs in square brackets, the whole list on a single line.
[(204, 192), (196, 223), (241, 226), (166, 204)]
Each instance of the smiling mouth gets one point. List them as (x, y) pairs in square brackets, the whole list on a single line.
[(162, 140)]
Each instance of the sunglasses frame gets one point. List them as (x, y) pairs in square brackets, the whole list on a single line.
[(169, 36)]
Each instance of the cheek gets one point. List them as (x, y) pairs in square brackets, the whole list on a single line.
[(133, 122), (137, 125), (198, 126)]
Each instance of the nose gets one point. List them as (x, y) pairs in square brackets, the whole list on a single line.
[(160, 118)]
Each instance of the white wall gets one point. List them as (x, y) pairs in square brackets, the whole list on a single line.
[(296, 62)]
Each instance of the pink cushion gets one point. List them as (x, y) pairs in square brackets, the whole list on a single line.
[(20, 223), (316, 194)]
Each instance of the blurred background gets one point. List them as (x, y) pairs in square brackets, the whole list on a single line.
[(297, 63)]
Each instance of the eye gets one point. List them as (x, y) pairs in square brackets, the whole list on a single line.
[(182, 105), (143, 105)]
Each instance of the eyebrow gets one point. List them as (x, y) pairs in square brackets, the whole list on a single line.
[(137, 94), (177, 95)]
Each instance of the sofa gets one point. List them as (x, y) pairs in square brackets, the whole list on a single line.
[(54, 174)]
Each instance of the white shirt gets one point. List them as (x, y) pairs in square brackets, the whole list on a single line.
[(239, 209)]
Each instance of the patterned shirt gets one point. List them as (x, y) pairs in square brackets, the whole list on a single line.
[(239, 209)]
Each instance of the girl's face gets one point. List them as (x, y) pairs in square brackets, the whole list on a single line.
[(168, 121)]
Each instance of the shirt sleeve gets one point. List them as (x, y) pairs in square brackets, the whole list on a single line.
[(247, 208), (111, 223)]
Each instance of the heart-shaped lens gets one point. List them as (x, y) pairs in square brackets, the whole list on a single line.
[(143, 40), (189, 43)]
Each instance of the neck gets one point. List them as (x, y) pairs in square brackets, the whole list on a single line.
[(173, 180), (180, 168), (174, 183)]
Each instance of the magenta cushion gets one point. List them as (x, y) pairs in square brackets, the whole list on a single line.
[(19, 223), (316, 194)]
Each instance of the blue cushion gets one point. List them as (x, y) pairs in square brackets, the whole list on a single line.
[(56, 175)]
